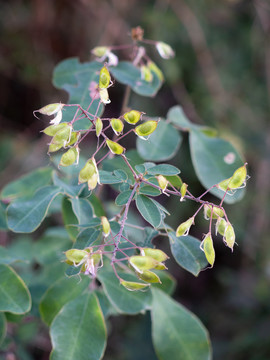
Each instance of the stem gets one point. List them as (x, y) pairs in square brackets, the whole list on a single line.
[(130, 167)]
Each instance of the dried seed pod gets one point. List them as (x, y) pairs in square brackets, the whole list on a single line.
[(133, 286), (104, 78), (114, 147), (229, 236), (51, 109), (146, 128), (224, 185), (69, 157), (105, 226), (74, 137), (117, 126), (141, 263), (54, 147), (208, 248), (160, 266), (99, 126), (62, 137), (132, 117), (53, 129), (183, 229), (93, 181), (216, 213), (156, 254), (149, 276), (164, 50)]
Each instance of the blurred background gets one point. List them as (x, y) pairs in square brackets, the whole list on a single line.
[(221, 77)]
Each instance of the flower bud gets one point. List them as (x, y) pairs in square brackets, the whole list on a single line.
[(117, 126), (141, 263), (183, 191), (87, 171), (229, 236), (156, 254), (99, 126), (104, 78), (114, 147), (76, 256), (164, 50), (239, 177), (149, 276), (69, 157), (183, 229), (146, 128), (105, 226), (100, 51), (51, 109), (221, 226), (146, 74), (155, 69), (208, 248), (133, 286), (132, 117), (104, 96), (53, 129), (216, 213), (162, 182)]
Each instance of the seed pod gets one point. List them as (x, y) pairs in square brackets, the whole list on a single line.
[(239, 177), (53, 129), (183, 191), (117, 126), (51, 109), (146, 73), (54, 147), (146, 128), (162, 182), (133, 286), (155, 69), (221, 225), (224, 185), (216, 213), (99, 126), (105, 226), (93, 181), (104, 78), (149, 276), (100, 51), (74, 137), (183, 229), (132, 117), (229, 236), (57, 119), (104, 96), (156, 254), (87, 171), (208, 248), (69, 157), (114, 147), (76, 256), (141, 263), (62, 137), (164, 50), (160, 266)]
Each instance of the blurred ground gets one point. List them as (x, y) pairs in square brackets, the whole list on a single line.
[(221, 77)]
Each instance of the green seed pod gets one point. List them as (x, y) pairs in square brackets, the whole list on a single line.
[(76, 256), (117, 126), (162, 182), (229, 236), (146, 128), (149, 276), (132, 117), (183, 229), (114, 147), (75, 135), (104, 78), (239, 177), (155, 69), (146, 73), (51, 109), (216, 213), (183, 191), (93, 181), (69, 157), (221, 225), (141, 263), (164, 50), (53, 129), (104, 96), (156, 254), (54, 147), (105, 226), (100, 51), (160, 266), (87, 171), (99, 126), (62, 137), (208, 249), (133, 286), (224, 185)]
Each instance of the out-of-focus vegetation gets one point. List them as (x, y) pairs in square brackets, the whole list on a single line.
[(221, 77)]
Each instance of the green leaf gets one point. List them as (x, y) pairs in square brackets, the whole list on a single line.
[(177, 117), (163, 169), (148, 209), (149, 190), (86, 238), (58, 294), (97, 205), (69, 189), (107, 177), (79, 331), (177, 333), (209, 160), (3, 327), (123, 197), (14, 295), (25, 215), (7, 257), (27, 185), (75, 78), (187, 253), (69, 218), (82, 209), (126, 73), (168, 282), (123, 300), (3, 218), (162, 145)]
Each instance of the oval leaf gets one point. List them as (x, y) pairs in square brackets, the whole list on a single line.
[(3, 327), (177, 333), (78, 331), (148, 209), (14, 295), (83, 210), (163, 169)]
